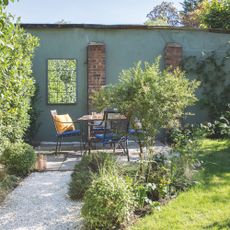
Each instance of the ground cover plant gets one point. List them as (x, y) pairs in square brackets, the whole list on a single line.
[(204, 206)]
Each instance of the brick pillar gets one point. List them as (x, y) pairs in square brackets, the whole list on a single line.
[(173, 55), (96, 69)]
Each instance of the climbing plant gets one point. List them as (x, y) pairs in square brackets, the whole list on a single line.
[(213, 71)]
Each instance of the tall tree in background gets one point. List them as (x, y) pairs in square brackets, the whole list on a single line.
[(190, 5), (164, 14), (190, 16)]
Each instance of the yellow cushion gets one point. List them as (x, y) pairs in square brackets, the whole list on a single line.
[(61, 126)]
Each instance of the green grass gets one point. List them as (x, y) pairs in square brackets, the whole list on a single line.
[(205, 206)]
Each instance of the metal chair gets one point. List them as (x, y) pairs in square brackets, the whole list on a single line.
[(137, 134), (114, 133), (64, 134)]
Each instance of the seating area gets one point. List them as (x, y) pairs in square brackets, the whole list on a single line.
[(96, 131)]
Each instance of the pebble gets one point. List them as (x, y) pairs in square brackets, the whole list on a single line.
[(41, 202)]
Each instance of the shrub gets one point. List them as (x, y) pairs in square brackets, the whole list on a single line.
[(220, 128), (7, 183), (154, 178), (108, 202), (82, 175), (19, 158), (16, 81), (163, 95)]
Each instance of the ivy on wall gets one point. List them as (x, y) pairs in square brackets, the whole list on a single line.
[(213, 71)]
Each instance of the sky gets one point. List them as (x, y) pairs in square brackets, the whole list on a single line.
[(84, 11)]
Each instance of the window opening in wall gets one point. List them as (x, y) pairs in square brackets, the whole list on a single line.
[(62, 81)]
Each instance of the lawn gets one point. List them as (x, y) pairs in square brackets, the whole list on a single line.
[(206, 205)]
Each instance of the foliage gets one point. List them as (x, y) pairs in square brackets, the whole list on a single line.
[(163, 95), (19, 159), (193, 18), (7, 183), (5, 2), (166, 12), (190, 5), (34, 113), (16, 83), (206, 14), (206, 205), (153, 180), (61, 81), (108, 202), (82, 175), (156, 22), (216, 14), (184, 162), (220, 128), (190, 16), (212, 70)]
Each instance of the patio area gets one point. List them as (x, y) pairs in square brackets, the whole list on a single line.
[(71, 155)]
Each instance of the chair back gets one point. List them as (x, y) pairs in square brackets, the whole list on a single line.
[(115, 124), (53, 113)]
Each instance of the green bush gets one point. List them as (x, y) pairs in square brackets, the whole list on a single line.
[(16, 81), (19, 158), (163, 95), (7, 183), (108, 202), (82, 175)]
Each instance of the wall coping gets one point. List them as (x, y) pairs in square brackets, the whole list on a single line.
[(117, 27)]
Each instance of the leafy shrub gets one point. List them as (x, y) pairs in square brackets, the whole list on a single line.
[(154, 178), (7, 183), (16, 81), (184, 158), (19, 158), (220, 128), (108, 202), (82, 175), (182, 173), (163, 95)]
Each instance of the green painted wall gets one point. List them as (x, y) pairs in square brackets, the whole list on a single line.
[(123, 49)]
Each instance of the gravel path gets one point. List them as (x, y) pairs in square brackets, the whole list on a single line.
[(40, 202)]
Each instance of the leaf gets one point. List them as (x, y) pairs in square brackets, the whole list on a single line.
[(6, 2), (10, 46)]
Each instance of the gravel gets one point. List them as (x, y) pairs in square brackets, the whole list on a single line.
[(41, 202)]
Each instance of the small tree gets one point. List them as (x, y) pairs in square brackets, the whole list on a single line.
[(156, 98)]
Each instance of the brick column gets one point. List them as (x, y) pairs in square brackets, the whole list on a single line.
[(96, 69), (173, 55)]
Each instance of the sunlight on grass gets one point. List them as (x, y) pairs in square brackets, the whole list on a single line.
[(205, 206)]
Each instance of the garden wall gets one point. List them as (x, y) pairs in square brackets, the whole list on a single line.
[(103, 51)]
